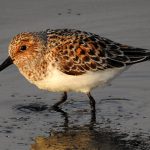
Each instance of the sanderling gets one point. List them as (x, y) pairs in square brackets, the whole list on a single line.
[(70, 60)]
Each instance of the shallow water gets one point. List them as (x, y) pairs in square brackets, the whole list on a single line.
[(37, 127), (123, 115)]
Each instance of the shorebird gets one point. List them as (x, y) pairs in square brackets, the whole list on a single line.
[(70, 60)]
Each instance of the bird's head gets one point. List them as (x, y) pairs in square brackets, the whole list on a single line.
[(25, 49)]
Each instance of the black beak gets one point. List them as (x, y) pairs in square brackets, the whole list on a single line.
[(6, 63)]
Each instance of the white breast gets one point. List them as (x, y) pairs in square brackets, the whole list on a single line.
[(57, 81)]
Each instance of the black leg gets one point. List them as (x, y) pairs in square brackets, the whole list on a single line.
[(63, 99), (93, 111), (92, 101)]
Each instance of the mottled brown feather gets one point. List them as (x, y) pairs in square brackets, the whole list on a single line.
[(76, 52), (81, 52)]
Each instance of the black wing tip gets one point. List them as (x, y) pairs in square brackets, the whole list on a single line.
[(112, 63), (137, 60), (135, 55)]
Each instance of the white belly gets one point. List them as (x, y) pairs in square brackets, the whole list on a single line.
[(57, 81)]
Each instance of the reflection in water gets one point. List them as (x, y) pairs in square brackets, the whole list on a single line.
[(66, 121), (64, 115), (77, 139), (87, 137)]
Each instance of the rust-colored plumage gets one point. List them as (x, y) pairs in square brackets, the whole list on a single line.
[(77, 52)]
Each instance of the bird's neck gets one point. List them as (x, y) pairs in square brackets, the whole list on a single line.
[(34, 70)]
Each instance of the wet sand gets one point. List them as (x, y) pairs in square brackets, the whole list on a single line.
[(123, 114)]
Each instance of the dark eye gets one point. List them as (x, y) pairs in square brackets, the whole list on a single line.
[(23, 47)]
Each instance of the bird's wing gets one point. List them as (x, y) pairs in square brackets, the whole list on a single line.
[(76, 52), (128, 55)]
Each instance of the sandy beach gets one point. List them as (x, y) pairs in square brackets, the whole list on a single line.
[(123, 108)]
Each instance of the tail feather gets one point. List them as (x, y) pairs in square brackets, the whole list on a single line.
[(136, 55), (127, 55)]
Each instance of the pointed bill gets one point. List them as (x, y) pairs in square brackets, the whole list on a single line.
[(6, 63)]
